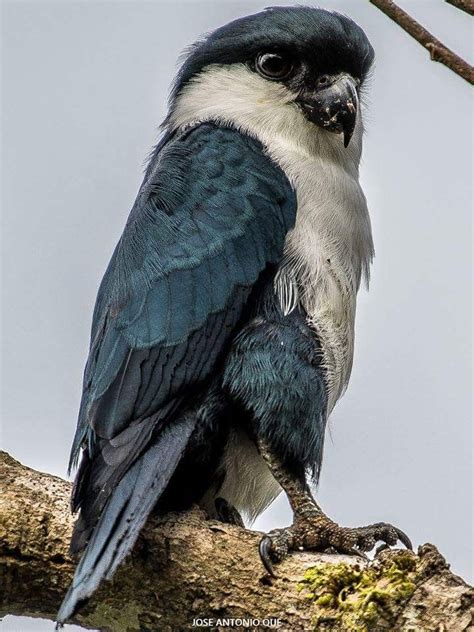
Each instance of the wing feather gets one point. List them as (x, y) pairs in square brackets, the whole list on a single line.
[(209, 219)]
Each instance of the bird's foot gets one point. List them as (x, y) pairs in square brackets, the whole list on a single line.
[(316, 532), (228, 513)]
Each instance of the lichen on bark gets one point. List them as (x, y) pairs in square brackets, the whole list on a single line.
[(356, 597)]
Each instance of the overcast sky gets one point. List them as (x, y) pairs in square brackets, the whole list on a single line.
[(84, 89)]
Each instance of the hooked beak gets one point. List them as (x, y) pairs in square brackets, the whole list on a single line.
[(334, 105)]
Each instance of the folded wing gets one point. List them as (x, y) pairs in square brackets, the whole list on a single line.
[(209, 220)]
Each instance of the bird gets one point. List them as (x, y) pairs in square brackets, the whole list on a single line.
[(223, 331)]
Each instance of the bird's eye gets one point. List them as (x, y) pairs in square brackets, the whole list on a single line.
[(274, 65)]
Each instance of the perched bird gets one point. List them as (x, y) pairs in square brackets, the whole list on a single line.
[(223, 330)]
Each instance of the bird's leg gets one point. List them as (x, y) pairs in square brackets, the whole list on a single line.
[(311, 528)]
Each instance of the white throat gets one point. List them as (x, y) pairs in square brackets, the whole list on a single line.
[(330, 248)]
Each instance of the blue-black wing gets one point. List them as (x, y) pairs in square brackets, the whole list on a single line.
[(209, 219)]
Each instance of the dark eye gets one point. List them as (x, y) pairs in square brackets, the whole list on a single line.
[(274, 65)]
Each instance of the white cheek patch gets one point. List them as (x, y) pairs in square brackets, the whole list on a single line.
[(232, 94), (264, 109)]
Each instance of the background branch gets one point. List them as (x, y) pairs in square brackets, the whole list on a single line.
[(189, 567), (438, 51), (464, 5)]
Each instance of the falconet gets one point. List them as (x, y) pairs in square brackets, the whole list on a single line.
[(223, 331)]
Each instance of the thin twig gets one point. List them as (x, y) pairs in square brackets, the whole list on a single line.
[(438, 51), (464, 5)]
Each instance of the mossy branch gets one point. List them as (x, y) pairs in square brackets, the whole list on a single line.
[(189, 568)]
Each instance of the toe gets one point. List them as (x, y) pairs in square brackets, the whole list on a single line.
[(404, 539), (265, 550), (366, 542), (366, 538), (343, 539), (390, 535)]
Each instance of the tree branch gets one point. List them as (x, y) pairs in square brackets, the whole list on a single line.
[(463, 5), (188, 567), (438, 51)]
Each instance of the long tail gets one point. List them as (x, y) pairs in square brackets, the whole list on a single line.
[(125, 514)]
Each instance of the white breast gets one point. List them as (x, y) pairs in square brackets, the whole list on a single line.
[(330, 248), (326, 254)]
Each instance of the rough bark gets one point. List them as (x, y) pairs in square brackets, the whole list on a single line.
[(463, 5), (188, 567)]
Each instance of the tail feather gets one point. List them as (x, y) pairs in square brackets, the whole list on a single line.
[(126, 513)]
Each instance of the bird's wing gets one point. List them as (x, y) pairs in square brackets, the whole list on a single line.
[(210, 217)]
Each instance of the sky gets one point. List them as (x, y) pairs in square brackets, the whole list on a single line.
[(84, 88)]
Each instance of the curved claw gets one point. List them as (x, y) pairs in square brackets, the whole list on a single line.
[(265, 548), (404, 539)]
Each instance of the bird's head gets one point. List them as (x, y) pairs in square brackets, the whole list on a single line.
[(308, 59)]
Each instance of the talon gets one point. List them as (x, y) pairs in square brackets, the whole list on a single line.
[(404, 539), (265, 549)]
